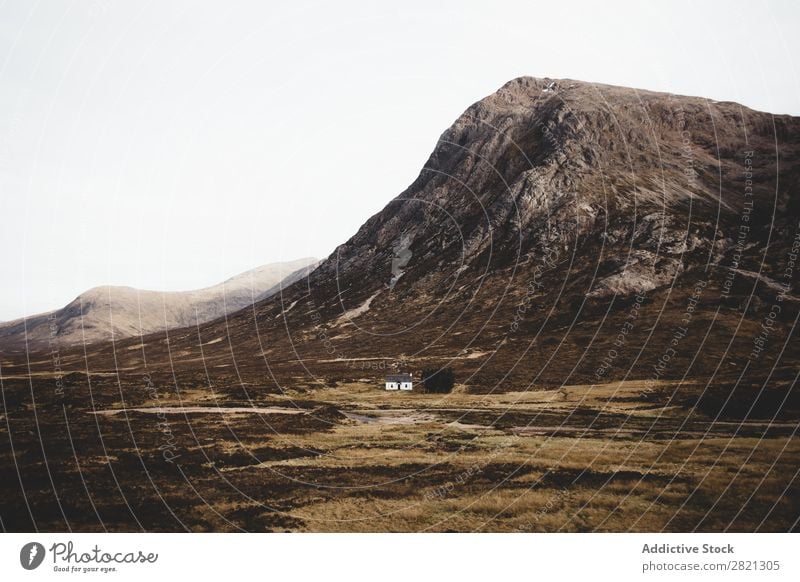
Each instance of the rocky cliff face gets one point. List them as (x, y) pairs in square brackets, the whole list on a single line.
[(656, 182), (560, 232)]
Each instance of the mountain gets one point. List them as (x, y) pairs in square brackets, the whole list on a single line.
[(103, 313), (611, 275), (561, 232)]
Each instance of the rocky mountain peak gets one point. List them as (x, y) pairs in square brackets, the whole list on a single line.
[(542, 214)]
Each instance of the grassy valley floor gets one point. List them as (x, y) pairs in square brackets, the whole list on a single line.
[(353, 457)]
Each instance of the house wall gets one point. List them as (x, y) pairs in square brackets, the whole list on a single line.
[(399, 385)]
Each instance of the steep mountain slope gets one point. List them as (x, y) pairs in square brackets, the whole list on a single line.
[(561, 232), (103, 313)]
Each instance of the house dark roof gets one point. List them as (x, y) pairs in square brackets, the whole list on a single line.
[(398, 378)]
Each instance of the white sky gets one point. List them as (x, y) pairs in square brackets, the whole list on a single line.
[(165, 145)]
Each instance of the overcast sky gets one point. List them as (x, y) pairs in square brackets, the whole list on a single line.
[(170, 145)]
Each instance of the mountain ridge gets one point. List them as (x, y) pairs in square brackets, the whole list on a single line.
[(116, 311), (518, 252)]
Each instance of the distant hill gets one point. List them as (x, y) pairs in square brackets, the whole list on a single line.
[(105, 313)]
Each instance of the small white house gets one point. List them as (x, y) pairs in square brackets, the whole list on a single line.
[(399, 382)]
